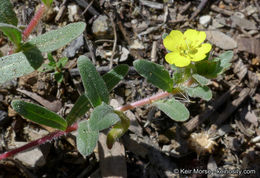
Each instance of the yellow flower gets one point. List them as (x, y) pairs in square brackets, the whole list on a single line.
[(186, 47)]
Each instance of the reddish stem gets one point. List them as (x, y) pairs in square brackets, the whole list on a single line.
[(73, 127), (35, 20)]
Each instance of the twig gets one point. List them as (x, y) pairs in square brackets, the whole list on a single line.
[(154, 51), (35, 20), (151, 4), (199, 9), (115, 41), (87, 7), (222, 11), (85, 4)]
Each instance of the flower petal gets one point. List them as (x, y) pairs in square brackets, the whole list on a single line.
[(174, 40), (194, 37), (201, 52), (177, 59)]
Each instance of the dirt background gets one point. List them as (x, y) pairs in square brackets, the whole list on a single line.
[(119, 32)]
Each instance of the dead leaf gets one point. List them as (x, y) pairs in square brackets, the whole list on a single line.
[(251, 45), (221, 40)]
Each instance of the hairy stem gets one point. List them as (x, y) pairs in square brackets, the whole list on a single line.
[(33, 23), (73, 127)]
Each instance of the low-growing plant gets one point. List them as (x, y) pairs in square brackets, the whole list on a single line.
[(56, 66), (192, 70), (26, 55)]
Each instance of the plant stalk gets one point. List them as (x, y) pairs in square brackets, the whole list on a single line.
[(74, 127), (33, 23)]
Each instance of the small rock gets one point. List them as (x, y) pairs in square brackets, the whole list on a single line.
[(124, 54), (137, 45), (31, 158), (3, 117), (9, 84), (221, 40), (166, 148), (74, 46), (205, 20), (249, 10), (102, 27), (74, 12), (243, 23)]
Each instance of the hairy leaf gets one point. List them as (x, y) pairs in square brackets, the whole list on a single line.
[(19, 64), (95, 87), (174, 109), (155, 74), (39, 114), (118, 130), (7, 14), (81, 106), (86, 138), (113, 77), (12, 32), (103, 117), (202, 92), (56, 39)]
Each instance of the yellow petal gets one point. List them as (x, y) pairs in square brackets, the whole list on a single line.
[(194, 37), (201, 52), (177, 59), (206, 47), (174, 40)]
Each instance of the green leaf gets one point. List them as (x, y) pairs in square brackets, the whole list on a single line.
[(155, 74), (12, 32), (215, 67), (81, 106), (174, 109), (201, 80), (103, 117), (58, 76), (95, 87), (113, 77), (7, 14), (56, 39), (202, 92), (20, 64), (47, 2), (62, 62), (225, 59), (118, 130), (51, 59), (39, 114), (86, 138)]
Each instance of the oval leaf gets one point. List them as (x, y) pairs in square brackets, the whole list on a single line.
[(155, 74), (201, 80), (199, 91), (118, 130), (113, 77), (174, 109), (86, 138), (103, 117), (39, 114), (95, 87), (12, 32), (7, 14), (81, 106), (56, 39), (20, 64)]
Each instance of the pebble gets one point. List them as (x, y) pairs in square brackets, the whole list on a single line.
[(74, 46), (3, 117), (31, 158), (205, 20), (102, 27)]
